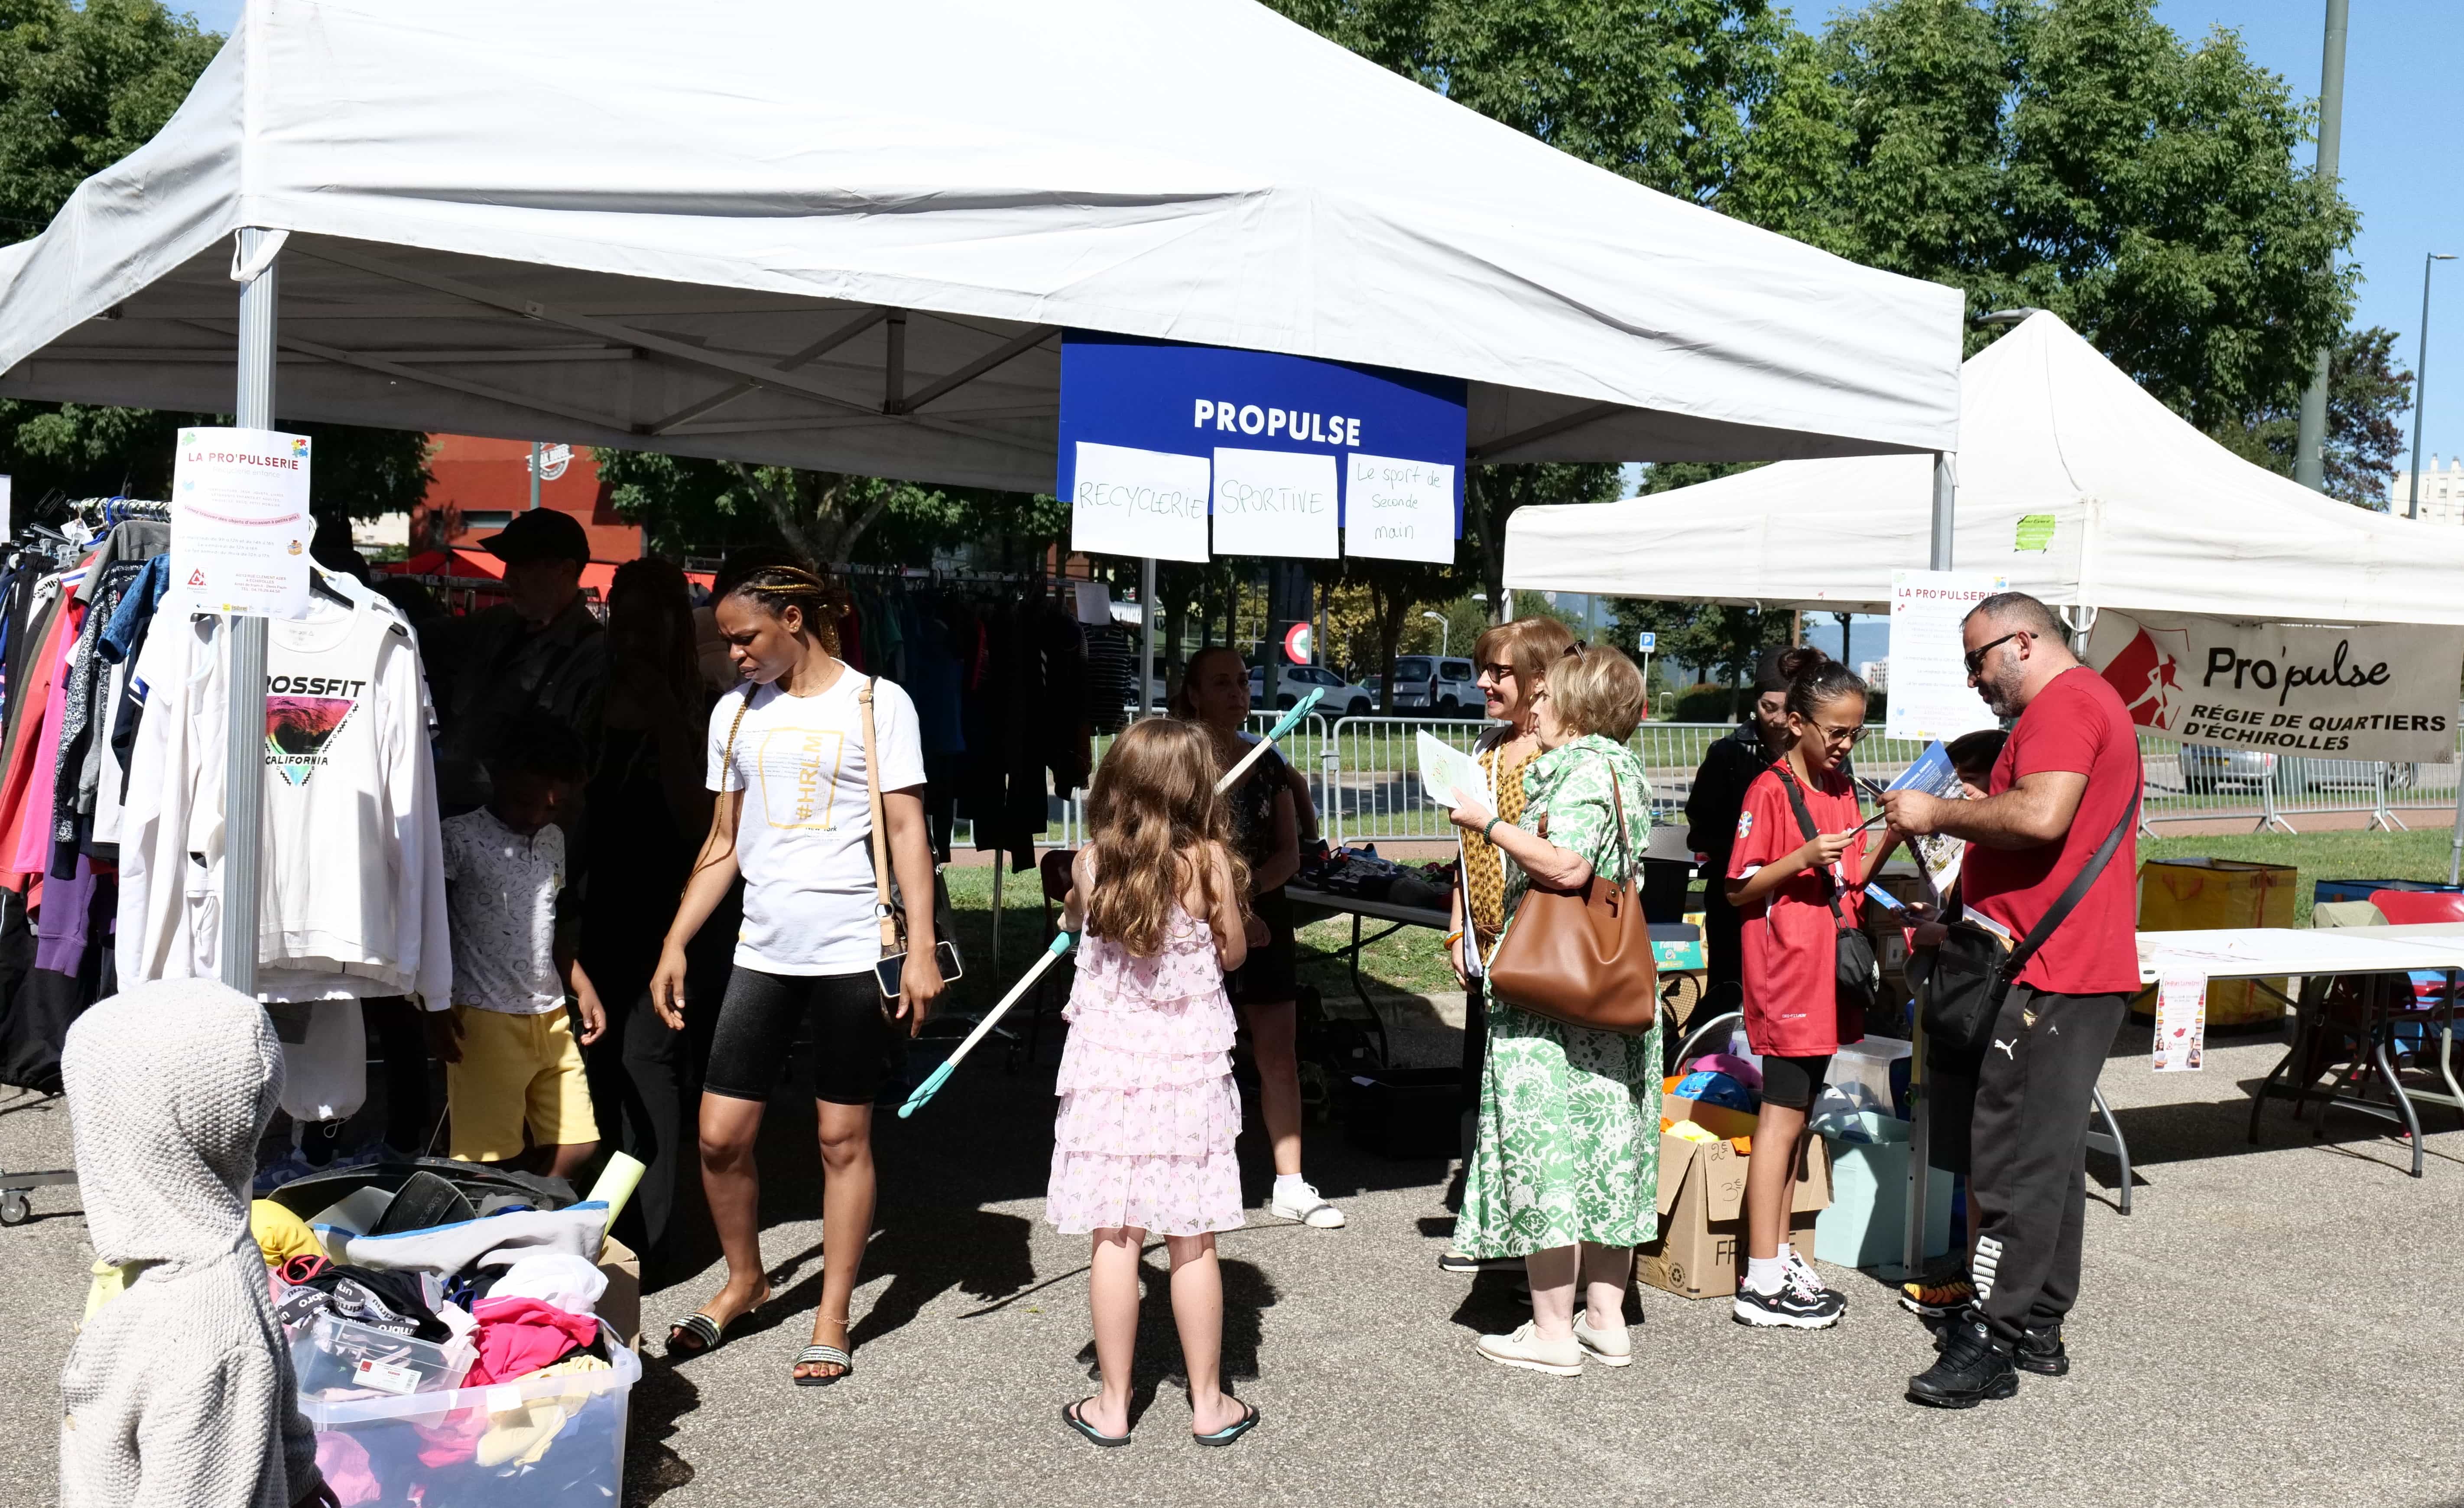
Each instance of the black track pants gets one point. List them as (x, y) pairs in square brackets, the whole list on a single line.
[(2029, 1173)]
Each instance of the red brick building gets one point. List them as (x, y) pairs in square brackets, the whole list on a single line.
[(480, 485)]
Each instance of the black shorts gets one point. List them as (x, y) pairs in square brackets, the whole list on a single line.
[(758, 1021), (1791, 1083), (1270, 976)]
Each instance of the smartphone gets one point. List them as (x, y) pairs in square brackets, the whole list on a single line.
[(892, 969)]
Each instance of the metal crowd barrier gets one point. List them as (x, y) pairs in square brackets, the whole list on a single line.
[(1363, 774)]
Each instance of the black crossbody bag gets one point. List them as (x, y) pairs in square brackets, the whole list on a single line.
[(1859, 975), (1976, 965)]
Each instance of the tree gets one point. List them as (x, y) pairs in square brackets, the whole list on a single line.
[(1397, 590), (688, 505), (82, 87), (2366, 396), (1493, 493)]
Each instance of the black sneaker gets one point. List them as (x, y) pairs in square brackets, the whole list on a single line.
[(2041, 1352), (1970, 1370), (1797, 1305)]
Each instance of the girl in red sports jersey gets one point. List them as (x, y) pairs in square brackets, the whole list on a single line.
[(1783, 884)]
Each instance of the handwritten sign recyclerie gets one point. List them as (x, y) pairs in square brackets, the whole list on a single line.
[(1298, 456), (1128, 502)]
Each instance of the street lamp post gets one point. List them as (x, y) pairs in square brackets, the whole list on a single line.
[(1445, 633), (2420, 384)]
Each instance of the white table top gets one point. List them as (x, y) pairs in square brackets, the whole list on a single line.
[(2256, 952)]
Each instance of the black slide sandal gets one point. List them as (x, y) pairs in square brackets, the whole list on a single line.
[(1094, 1436)]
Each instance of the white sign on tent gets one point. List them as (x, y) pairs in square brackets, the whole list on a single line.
[(1930, 696), (239, 521), (2373, 692), (1398, 510), (1274, 503), (1128, 502)]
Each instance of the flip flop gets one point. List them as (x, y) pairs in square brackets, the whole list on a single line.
[(1232, 1431), (818, 1355), (1069, 1416)]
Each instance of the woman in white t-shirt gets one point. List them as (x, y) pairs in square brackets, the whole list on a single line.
[(787, 760)]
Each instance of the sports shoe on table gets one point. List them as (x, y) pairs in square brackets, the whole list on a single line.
[(1798, 1304), (1938, 1298), (1304, 1204)]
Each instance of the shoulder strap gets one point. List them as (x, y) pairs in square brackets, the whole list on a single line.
[(2077, 891), (1805, 825), (883, 911)]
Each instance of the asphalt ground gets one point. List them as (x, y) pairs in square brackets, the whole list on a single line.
[(2273, 1325)]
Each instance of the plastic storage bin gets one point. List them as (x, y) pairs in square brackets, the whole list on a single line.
[(338, 1353), (541, 1440), (1866, 1224)]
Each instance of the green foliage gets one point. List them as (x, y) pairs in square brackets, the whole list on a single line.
[(690, 506), (82, 87), (2366, 395)]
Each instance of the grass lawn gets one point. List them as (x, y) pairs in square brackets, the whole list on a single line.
[(1412, 962)]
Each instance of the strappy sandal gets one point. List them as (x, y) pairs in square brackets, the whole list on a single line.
[(1071, 1416), (706, 1334)]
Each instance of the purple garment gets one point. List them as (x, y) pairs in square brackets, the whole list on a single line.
[(60, 930)]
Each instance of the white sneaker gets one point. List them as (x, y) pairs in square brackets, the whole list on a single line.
[(1308, 1209), (1804, 1269), (1608, 1347), (1525, 1349)]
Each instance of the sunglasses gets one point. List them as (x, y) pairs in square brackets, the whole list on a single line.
[(1975, 658), (1851, 736)]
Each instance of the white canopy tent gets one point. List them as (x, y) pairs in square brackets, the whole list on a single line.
[(847, 236), (2073, 482)]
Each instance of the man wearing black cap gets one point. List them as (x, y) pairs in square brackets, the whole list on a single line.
[(541, 651), (1712, 808)]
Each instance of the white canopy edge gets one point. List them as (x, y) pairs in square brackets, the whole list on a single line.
[(748, 230), (2074, 483)]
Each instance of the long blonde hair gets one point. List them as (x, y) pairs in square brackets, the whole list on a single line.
[(1154, 806)]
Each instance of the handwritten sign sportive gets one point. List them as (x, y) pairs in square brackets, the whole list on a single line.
[(1303, 457)]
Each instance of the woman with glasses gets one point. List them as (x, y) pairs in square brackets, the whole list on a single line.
[(1783, 884), (1513, 659)]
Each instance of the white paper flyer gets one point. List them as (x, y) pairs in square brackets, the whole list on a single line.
[(1448, 775), (2181, 1023), (1938, 854), (239, 522)]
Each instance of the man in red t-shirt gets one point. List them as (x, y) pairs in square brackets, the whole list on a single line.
[(2067, 779)]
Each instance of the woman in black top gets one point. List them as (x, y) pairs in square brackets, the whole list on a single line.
[(1265, 824), (647, 810)]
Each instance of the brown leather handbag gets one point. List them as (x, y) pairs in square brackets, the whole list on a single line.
[(1582, 956)]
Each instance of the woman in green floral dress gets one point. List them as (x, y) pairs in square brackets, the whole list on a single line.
[(1566, 1173)]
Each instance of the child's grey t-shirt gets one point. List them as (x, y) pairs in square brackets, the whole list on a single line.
[(503, 912)]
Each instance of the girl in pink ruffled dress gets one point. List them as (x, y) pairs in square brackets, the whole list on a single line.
[(1149, 1112)]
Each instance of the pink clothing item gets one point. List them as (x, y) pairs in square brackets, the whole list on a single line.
[(518, 1336), (1149, 1112), (343, 1462), (1736, 1068), (34, 853)]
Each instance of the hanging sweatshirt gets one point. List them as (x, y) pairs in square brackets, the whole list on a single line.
[(352, 879)]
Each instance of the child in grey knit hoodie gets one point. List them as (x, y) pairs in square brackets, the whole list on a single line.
[(179, 1393)]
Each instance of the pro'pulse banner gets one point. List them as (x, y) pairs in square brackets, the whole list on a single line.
[(1170, 450), (2375, 692)]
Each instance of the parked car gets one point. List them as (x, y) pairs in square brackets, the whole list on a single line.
[(2207, 768), (1343, 700), (1434, 684)]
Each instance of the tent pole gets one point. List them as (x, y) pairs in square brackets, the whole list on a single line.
[(244, 753), (2455, 850), (1945, 493), (1146, 635)]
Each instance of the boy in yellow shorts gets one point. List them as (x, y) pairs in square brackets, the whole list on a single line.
[(512, 1062)]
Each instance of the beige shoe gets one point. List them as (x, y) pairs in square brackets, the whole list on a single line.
[(1608, 1347), (1525, 1349)]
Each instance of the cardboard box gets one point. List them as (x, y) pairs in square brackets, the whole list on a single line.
[(621, 1306), (1699, 1252), (1866, 1223)]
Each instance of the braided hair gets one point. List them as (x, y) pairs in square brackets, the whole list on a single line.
[(775, 588)]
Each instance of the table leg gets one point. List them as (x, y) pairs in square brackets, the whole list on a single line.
[(2447, 1044), (2117, 1144)]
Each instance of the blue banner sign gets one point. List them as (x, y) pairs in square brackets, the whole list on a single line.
[(1169, 450)]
